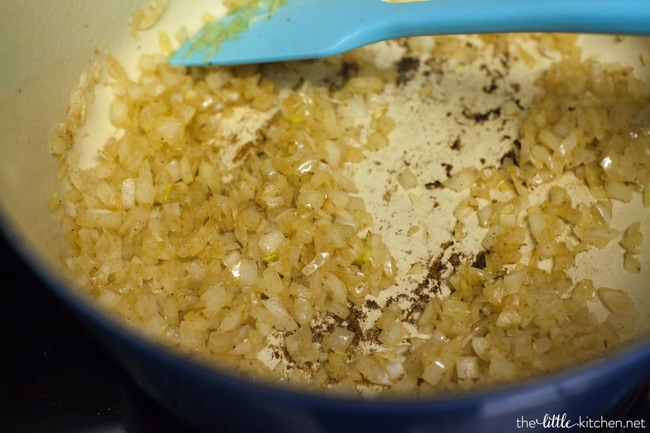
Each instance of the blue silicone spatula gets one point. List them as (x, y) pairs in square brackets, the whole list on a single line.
[(279, 30)]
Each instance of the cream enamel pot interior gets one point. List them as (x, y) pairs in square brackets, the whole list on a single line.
[(46, 46)]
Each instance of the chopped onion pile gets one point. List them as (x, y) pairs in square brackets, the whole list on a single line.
[(256, 255)]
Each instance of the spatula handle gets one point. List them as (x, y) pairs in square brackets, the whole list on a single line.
[(503, 16)]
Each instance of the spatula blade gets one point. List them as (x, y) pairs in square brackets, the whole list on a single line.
[(270, 31)]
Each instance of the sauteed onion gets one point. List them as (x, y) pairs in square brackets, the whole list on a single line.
[(250, 247)]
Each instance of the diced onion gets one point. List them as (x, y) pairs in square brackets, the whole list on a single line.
[(223, 219)]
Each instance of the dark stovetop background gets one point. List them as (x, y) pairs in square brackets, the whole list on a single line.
[(54, 377)]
